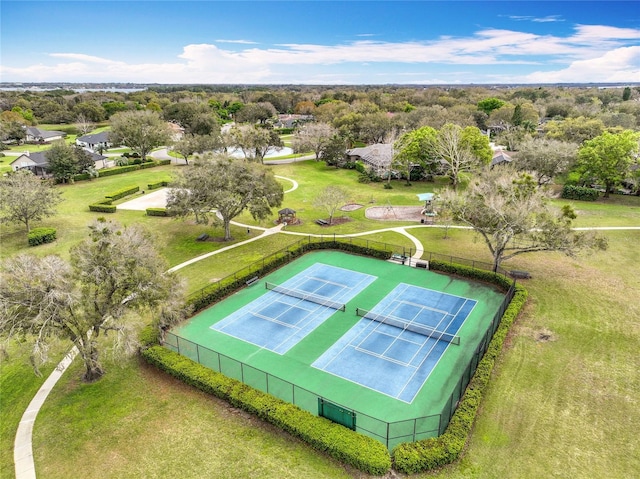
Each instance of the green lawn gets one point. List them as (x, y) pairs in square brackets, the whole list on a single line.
[(563, 401)]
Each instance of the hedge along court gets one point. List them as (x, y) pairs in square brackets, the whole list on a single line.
[(379, 347)]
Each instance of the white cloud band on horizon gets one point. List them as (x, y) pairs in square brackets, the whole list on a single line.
[(607, 52)]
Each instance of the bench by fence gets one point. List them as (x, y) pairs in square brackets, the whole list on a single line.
[(251, 281), (519, 274), (398, 257)]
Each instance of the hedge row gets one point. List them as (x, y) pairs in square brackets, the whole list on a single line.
[(122, 193), (436, 452), (571, 192), (159, 184), (157, 212), (41, 236), (117, 170), (345, 445), (103, 206), (215, 292)]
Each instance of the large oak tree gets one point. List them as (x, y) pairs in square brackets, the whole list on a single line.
[(513, 216), (219, 188), (114, 272)]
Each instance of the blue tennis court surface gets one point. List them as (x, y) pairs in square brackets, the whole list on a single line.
[(392, 359), (278, 322)]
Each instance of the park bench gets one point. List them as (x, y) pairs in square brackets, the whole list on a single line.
[(322, 222), (398, 257), (422, 264), (516, 274), (203, 237), (251, 281)]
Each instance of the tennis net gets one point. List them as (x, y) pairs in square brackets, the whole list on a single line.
[(414, 327), (305, 296)]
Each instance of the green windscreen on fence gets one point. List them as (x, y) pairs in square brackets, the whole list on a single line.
[(338, 414)]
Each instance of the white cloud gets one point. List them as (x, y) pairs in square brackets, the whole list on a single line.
[(619, 65), (591, 53), (242, 42)]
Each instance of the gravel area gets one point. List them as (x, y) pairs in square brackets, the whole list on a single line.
[(394, 213)]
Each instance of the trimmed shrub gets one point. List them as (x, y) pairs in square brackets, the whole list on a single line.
[(345, 445), (159, 184), (570, 192), (118, 170), (103, 206), (122, 193), (157, 212), (39, 236)]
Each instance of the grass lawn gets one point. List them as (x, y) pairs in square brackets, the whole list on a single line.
[(563, 401)]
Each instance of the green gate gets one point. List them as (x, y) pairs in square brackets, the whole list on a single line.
[(336, 413)]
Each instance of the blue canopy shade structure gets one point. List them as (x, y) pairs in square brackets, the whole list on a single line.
[(426, 196)]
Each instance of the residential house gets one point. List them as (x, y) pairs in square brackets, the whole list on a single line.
[(500, 157), (36, 135), (94, 142), (378, 157), (38, 163)]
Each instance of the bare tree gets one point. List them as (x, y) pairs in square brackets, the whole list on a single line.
[(460, 151), (313, 137), (114, 272), (514, 216), (330, 199), (25, 198)]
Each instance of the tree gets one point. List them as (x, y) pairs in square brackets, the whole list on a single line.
[(514, 216), (25, 198), (413, 149), (312, 137), (190, 144), (330, 199), (607, 158), (546, 158), (227, 186), (256, 113), (461, 151), (142, 131), (626, 94), (575, 130), (333, 151), (62, 161), (489, 104), (254, 141), (114, 272)]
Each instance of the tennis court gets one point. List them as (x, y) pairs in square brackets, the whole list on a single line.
[(395, 346), (295, 342), (287, 313)]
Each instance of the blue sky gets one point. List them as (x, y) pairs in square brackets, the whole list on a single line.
[(320, 42)]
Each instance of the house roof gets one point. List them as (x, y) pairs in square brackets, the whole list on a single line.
[(102, 137), (37, 157), (37, 132), (499, 157), (379, 154)]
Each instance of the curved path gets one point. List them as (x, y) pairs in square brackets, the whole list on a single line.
[(23, 449)]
